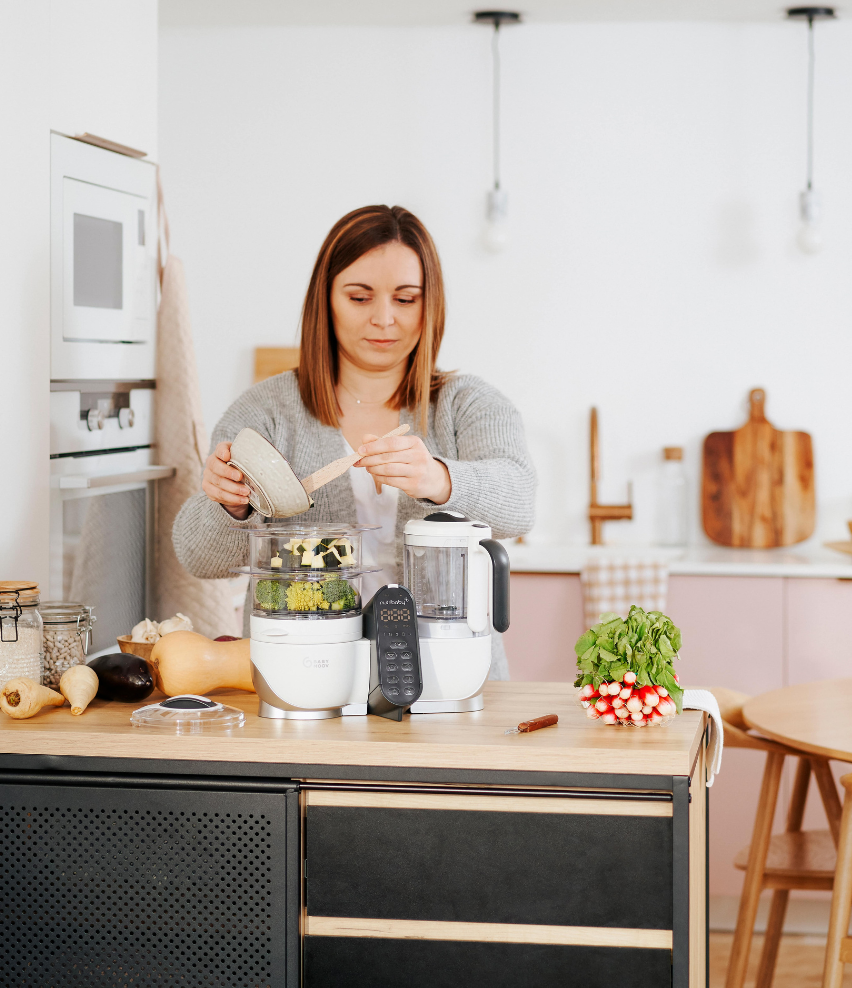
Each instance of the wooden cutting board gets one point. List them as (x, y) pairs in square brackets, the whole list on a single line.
[(758, 484)]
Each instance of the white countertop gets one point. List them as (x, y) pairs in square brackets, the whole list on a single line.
[(705, 560)]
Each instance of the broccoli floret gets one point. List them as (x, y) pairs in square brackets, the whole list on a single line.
[(269, 595), (339, 592)]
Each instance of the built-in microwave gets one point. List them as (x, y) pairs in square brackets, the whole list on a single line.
[(103, 460), (103, 263)]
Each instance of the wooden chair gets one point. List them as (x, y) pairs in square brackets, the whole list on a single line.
[(838, 950), (795, 859)]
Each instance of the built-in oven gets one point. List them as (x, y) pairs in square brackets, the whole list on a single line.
[(103, 337)]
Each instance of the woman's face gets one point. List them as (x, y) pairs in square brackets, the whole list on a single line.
[(377, 307)]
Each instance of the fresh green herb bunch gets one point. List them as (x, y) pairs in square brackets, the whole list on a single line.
[(646, 644)]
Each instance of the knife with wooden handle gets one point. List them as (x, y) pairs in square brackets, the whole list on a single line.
[(337, 467)]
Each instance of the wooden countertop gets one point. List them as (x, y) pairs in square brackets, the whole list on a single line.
[(458, 741)]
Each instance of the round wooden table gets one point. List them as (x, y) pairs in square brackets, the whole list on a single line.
[(813, 717), (817, 718)]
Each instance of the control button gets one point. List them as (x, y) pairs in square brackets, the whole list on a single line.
[(409, 691), (408, 679), (407, 667), (393, 679), (405, 655), (393, 691), (390, 656), (399, 644), (391, 667)]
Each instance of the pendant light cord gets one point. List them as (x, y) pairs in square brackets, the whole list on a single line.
[(811, 59), (495, 58)]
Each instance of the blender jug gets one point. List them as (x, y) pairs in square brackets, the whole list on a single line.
[(459, 578)]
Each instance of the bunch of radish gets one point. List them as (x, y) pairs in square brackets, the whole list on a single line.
[(626, 703)]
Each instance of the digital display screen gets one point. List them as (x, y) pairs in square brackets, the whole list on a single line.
[(394, 615)]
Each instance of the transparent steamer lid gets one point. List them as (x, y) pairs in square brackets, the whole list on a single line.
[(187, 714)]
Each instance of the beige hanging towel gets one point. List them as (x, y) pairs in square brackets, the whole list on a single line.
[(613, 583), (182, 443)]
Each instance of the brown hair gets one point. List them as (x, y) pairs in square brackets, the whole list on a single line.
[(358, 232)]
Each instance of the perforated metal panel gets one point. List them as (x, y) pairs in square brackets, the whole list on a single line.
[(107, 888)]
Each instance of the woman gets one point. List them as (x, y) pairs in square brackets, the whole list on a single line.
[(372, 325)]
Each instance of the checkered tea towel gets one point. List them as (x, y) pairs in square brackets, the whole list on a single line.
[(614, 583)]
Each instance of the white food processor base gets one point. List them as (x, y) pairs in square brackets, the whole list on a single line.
[(449, 706), (454, 671), (315, 681)]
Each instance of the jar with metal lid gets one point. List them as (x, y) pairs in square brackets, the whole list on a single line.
[(21, 648), (67, 634)]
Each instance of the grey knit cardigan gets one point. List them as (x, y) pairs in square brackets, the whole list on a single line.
[(473, 429)]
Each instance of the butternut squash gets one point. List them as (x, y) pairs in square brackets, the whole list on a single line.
[(185, 662)]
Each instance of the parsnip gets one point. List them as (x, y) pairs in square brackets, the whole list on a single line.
[(78, 685), (22, 698)]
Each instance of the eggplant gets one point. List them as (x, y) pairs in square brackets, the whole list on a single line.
[(122, 676)]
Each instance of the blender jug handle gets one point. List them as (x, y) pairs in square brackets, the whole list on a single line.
[(500, 583)]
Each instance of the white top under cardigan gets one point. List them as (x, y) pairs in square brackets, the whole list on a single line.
[(378, 547)]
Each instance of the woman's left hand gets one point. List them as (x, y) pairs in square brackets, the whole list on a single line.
[(404, 462)]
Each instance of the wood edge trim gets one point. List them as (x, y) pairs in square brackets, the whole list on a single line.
[(495, 804), (414, 929), (846, 950)]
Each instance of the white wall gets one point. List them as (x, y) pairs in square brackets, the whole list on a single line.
[(103, 70), (72, 66), (653, 172)]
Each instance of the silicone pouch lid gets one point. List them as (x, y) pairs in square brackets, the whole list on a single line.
[(187, 714)]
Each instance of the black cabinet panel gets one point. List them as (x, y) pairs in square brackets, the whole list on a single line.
[(112, 888), (353, 962), (490, 867)]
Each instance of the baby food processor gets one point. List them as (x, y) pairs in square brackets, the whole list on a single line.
[(459, 578), (309, 658)]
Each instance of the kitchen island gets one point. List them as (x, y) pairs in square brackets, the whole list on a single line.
[(356, 851)]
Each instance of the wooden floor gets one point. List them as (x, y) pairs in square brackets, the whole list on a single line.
[(800, 962)]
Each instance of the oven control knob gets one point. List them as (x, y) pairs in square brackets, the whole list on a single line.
[(95, 419), (126, 418)]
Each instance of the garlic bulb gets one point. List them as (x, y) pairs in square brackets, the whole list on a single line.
[(180, 622), (146, 631)]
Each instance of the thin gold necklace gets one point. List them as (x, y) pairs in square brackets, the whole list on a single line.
[(359, 401)]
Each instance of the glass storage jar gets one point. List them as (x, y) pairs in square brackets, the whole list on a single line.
[(67, 634), (21, 647)]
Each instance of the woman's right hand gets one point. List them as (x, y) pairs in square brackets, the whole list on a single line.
[(222, 483)]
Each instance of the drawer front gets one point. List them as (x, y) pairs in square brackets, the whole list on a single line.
[(117, 887), (389, 963), (517, 865)]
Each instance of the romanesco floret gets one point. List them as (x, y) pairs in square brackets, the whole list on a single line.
[(269, 595), (305, 597)]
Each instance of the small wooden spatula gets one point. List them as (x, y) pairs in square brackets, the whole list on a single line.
[(334, 469)]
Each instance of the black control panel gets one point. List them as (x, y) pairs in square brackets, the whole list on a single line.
[(390, 622)]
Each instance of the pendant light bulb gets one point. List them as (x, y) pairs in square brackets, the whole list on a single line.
[(810, 237), (496, 235)]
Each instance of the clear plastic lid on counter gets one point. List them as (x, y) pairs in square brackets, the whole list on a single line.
[(308, 571), (187, 714)]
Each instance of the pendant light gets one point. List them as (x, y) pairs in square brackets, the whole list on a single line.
[(496, 210), (809, 238)]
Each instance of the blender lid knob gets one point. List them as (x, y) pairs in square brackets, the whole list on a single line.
[(446, 516)]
